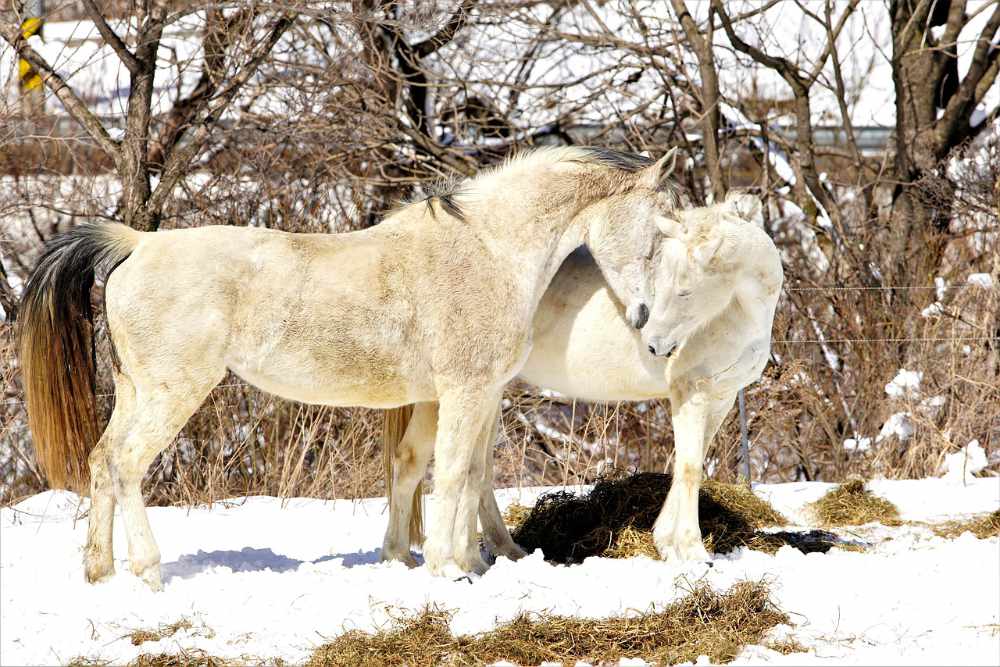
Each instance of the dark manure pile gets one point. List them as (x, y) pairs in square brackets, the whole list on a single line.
[(616, 519)]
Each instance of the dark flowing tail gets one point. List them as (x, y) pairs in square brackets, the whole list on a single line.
[(393, 428), (56, 348)]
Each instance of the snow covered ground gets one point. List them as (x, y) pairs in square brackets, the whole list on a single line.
[(256, 576)]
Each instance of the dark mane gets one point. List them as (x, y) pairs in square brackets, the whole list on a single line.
[(447, 192), (630, 162), (443, 191)]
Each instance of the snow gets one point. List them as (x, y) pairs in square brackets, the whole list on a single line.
[(932, 310), (963, 464), (905, 384), (258, 576), (980, 280), (899, 424), (857, 444)]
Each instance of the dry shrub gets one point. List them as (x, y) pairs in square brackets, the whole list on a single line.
[(568, 528), (704, 622), (851, 504), (983, 527)]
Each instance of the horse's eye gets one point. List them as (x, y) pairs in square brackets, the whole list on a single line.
[(685, 294)]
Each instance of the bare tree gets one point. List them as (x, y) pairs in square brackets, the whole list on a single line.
[(142, 205)]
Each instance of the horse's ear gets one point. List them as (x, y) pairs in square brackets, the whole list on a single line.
[(717, 252), (655, 175), (747, 206), (669, 227)]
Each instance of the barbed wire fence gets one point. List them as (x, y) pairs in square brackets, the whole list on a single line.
[(741, 397)]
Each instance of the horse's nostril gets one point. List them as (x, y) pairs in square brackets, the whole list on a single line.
[(651, 350)]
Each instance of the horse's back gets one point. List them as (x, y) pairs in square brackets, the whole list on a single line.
[(295, 314)]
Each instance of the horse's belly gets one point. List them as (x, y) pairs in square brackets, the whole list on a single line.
[(338, 377)]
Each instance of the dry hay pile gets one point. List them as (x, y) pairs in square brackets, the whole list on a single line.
[(615, 520), (982, 527), (851, 504), (702, 623)]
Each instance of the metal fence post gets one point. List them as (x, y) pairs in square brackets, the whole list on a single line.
[(744, 438)]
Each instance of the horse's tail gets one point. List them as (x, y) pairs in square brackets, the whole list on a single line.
[(393, 428), (56, 348)]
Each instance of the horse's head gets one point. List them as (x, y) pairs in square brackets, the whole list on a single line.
[(699, 266), (624, 237)]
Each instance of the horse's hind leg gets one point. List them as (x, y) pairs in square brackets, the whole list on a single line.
[(409, 465), (98, 559), (162, 408)]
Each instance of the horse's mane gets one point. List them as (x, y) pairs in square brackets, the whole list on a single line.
[(448, 192)]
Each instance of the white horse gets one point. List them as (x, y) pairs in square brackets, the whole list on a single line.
[(716, 286), (433, 304)]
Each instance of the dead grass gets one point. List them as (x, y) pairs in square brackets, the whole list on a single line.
[(704, 622), (616, 518), (851, 504), (186, 658), (515, 515), (142, 636), (983, 527), (786, 646)]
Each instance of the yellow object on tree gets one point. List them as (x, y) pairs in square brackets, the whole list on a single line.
[(28, 77)]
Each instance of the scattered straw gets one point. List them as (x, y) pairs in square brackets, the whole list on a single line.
[(197, 658), (631, 542), (142, 636), (786, 646), (568, 528), (851, 504), (702, 623), (515, 514), (983, 527), (186, 658)]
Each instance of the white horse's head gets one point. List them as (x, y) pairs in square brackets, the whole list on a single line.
[(624, 236), (700, 263)]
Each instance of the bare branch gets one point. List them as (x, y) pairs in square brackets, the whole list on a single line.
[(448, 32), (54, 82), (180, 158), (111, 37)]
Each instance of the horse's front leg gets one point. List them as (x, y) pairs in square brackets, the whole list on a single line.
[(676, 532), (495, 532), (461, 417)]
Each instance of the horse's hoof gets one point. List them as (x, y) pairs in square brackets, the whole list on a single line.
[(473, 563), (444, 567), (681, 551), (510, 551), (95, 572), (151, 575), (406, 558)]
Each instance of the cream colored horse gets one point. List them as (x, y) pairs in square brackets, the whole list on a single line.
[(433, 304), (716, 287)]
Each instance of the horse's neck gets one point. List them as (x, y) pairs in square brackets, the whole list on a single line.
[(758, 284), (536, 233)]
